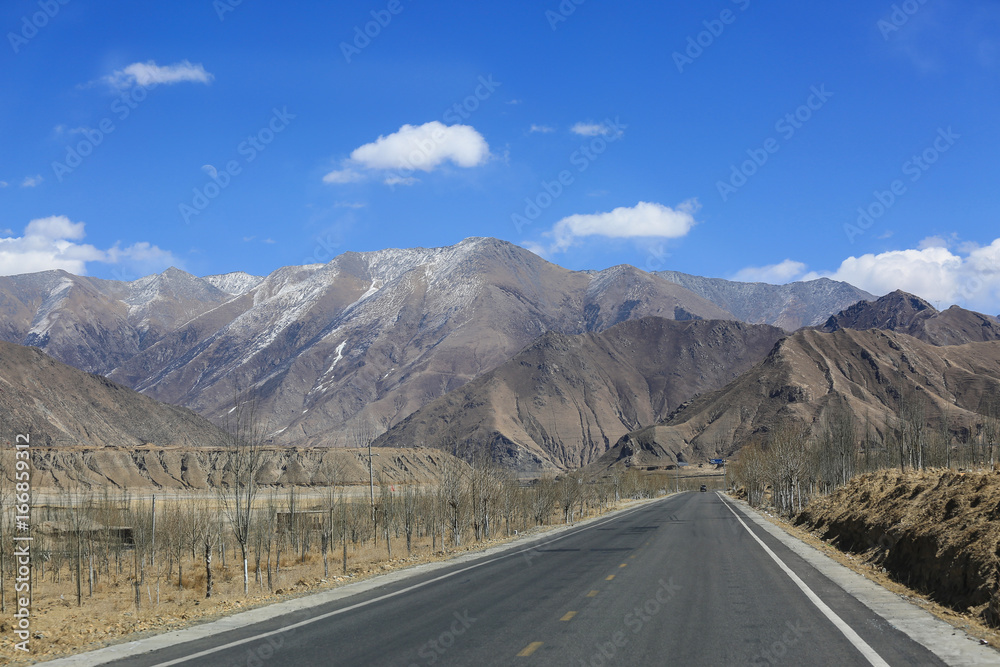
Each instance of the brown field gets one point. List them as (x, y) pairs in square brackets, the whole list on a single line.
[(111, 612)]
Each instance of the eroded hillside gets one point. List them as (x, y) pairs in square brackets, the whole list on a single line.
[(811, 376), (936, 531)]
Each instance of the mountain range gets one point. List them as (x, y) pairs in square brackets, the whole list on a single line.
[(565, 399), (909, 314), (366, 338), (57, 405), (791, 306), (480, 344), (810, 378)]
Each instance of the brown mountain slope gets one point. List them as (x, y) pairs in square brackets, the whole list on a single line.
[(791, 306), (811, 374), (563, 400), (201, 468), (97, 325), (372, 335), (59, 405), (377, 335), (909, 314)]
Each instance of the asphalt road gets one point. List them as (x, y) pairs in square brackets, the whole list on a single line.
[(677, 582)]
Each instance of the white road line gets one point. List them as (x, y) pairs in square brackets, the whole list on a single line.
[(853, 637), (337, 612)]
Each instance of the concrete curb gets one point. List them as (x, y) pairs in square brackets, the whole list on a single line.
[(252, 616), (950, 644)]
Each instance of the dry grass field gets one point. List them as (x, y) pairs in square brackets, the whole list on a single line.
[(170, 570)]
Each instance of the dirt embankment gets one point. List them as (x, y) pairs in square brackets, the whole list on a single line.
[(138, 468), (937, 532)]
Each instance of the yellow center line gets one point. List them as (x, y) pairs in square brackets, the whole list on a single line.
[(529, 649), (632, 556), (568, 616), (592, 594), (609, 577), (623, 565)]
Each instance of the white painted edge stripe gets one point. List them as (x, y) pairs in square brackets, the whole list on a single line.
[(853, 637), (358, 605)]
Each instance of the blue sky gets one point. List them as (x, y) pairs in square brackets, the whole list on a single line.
[(733, 138)]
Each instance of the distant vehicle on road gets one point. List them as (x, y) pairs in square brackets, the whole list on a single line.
[(704, 488)]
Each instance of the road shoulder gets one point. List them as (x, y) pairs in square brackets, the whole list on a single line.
[(950, 644)]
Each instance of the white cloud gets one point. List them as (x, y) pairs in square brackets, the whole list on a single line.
[(424, 147), (342, 176), (776, 274), (349, 204), (941, 270), (969, 277), (541, 128), (140, 259), (932, 242), (536, 248), (413, 148), (53, 243), (591, 129), (149, 73), (400, 180), (4, 184), (32, 181), (645, 219)]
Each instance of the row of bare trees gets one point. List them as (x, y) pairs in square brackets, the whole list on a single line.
[(792, 463), (142, 546)]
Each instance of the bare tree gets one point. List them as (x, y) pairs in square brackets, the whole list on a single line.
[(990, 430), (750, 471), (204, 528), (362, 435), (8, 469), (453, 491), (387, 508), (409, 506), (333, 472), (246, 433)]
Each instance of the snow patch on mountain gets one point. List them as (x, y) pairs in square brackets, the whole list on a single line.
[(236, 283), (46, 314)]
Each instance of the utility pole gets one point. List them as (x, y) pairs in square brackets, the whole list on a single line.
[(371, 479), (152, 541)]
